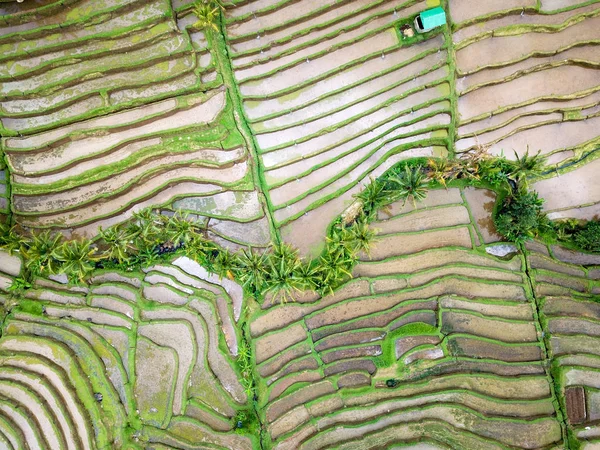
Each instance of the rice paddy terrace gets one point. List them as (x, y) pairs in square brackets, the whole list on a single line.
[(263, 128)]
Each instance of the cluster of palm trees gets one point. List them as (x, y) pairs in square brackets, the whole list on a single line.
[(142, 241), (278, 272), (478, 165)]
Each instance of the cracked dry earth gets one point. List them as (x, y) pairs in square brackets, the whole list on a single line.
[(265, 130)]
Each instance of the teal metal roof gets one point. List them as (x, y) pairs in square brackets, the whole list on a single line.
[(433, 18)]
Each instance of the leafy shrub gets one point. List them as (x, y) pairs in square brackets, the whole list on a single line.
[(520, 217), (588, 237)]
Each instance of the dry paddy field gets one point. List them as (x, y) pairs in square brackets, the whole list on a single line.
[(263, 129)]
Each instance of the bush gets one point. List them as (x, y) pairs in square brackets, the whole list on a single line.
[(520, 217), (588, 237)]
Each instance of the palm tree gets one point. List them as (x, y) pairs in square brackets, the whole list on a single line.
[(374, 196), (199, 249), (335, 268), (225, 264), (527, 166), (361, 236), (147, 229), (11, 240), (77, 259), (252, 270), (411, 184), (38, 257), (179, 229), (310, 276), (207, 12), (119, 242), (339, 240), (284, 268)]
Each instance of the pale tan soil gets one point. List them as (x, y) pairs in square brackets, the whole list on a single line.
[(177, 336), (570, 282), (287, 13), (522, 311), (492, 75), (525, 434), (162, 294), (73, 197), (568, 307), (184, 428), (76, 109), (570, 256), (410, 77), (112, 304), (498, 121), (476, 348), (357, 112), (549, 138), (525, 19), (303, 377), (559, 81), (311, 181), (161, 280), (311, 51), (233, 289), (279, 362), (575, 377), (344, 339), (461, 11), (116, 290), (351, 353), (567, 345), (424, 220), (281, 315), (162, 197), (281, 406), (119, 340), (281, 80), (270, 345), (404, 244), (185, 81), (89, 146), (405, 344), (481, 204), (306, 233), (574, 326), (493, 328), (464, 272), (338, 81), (571, 189), (31, 404), (427, 354), (581, 213), (500, 50), (204, 326), (273, 49), (356, 136)]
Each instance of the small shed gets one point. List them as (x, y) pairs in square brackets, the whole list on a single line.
[(430, 19)]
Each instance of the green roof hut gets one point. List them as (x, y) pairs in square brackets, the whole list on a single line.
[(430, 19)]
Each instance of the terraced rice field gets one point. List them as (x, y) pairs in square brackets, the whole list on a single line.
[(263, 129), (115, 106)]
